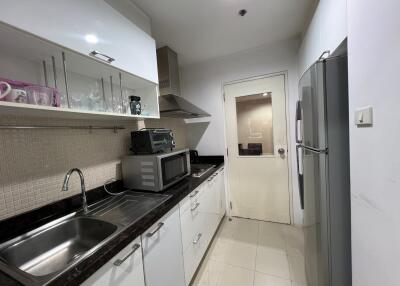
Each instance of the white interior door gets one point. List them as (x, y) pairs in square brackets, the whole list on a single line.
[(255, 116)]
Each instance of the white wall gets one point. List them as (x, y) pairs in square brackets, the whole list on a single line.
[(202, 84), (327, 29), (133, 13), (374, 61)]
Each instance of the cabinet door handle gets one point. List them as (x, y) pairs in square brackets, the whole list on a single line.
[(159, 226), (195, 207), (194, 194), (120, 261), (101, 56), (211, 178), (196, 241)]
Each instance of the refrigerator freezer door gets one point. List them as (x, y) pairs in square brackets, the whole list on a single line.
[(339, 171), (315, 222), (313, 107)]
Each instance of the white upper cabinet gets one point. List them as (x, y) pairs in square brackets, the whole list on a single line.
[(87, 26)]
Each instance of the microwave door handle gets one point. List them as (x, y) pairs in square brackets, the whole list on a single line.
[(300, 178), (298, 119)]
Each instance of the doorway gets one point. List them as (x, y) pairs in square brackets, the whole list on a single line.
[(256, 138)]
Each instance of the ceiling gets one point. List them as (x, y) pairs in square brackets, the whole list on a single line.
[(199, 30)]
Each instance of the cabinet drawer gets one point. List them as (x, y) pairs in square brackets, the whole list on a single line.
[(192, 222), (189, 200), (124, 269), (200, 224), (209, 214), (193, 255)]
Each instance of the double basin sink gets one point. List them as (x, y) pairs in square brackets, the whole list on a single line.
[(39, 256)]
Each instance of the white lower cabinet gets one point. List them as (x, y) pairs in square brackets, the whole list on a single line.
[(162, 252), (193, 255), (192, 221), (124, 269), (200, 221), (220, 185), (173, 247)]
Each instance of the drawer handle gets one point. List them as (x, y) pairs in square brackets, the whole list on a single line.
[(194, 194), (196, 241), (98, 55), (195, 207), (159, 226), (120, 261)]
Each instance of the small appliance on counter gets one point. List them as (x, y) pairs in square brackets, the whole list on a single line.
[(152, 140), (198, 170), (194, 156), (197, 166), (155, 172)]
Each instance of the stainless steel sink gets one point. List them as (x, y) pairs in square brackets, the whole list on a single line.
[(55, 247), (41, 255)]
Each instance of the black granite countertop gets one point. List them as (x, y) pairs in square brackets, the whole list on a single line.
[(18, 225)]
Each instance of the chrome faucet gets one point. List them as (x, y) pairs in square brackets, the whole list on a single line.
[(65, 186)]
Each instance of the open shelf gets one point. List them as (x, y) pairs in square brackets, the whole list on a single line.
[(23, 56), (30, 110)]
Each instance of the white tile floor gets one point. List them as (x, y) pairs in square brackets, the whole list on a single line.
[(254, 253)]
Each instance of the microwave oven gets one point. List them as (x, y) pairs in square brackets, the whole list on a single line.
[(155, 172)]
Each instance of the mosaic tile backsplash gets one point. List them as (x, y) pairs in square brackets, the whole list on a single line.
[(33, 163)]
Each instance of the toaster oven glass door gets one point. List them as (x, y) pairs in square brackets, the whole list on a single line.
[(173, 168)]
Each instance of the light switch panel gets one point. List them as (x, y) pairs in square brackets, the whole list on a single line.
[(363, 116)]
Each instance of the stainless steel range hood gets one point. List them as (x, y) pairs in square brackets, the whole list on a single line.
[(171, 104)]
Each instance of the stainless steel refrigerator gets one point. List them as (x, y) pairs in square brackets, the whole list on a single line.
[(322, 125)]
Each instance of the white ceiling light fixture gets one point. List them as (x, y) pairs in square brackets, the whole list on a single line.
[(268, 93), (91, 39)]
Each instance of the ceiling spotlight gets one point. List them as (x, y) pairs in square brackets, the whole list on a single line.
[(268, 93), (242, 12)]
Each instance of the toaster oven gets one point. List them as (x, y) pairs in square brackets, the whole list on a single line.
[(152, 140)]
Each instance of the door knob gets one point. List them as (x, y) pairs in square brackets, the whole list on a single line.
[(281, 151)]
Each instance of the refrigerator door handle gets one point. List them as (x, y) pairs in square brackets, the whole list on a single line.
[(298, 119), (300, 178), (316, 151)]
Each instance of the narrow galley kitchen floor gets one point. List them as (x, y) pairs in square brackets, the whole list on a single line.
[(254, 253)]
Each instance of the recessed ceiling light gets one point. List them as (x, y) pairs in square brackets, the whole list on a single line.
[(92, 39), (242, 12), (268, 93)]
